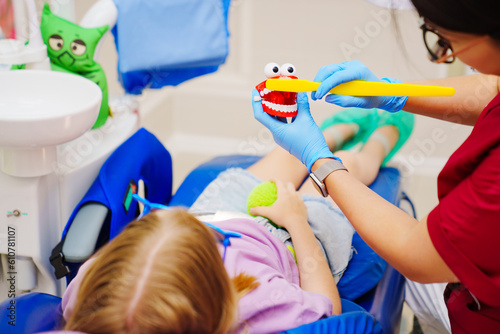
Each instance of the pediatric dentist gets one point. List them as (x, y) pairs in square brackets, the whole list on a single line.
[(458, 241)]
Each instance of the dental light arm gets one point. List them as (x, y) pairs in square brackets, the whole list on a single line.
[(103, 12), (34, 55)]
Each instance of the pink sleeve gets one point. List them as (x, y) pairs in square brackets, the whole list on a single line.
[(69, 298), (278, 305)]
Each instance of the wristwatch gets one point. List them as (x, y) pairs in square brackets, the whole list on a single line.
[(319, 175)]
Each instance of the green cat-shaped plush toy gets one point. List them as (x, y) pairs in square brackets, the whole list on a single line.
[(71, 49)]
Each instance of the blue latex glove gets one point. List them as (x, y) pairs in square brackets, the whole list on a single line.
[(302, 138), (335, 74)]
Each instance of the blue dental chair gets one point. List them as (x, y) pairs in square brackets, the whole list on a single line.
[(372, 292)]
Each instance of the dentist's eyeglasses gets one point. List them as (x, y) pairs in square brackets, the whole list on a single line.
[(222, 236), (440, 49)]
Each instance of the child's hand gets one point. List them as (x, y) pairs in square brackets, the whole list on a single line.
[(288, 210)]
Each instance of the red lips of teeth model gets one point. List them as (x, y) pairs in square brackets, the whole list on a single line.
[(275, 103), (282, 104)]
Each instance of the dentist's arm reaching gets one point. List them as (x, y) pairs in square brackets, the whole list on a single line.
[(400, 239), (472, 93), (333, 75)]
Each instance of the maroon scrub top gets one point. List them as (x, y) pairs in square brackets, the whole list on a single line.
[(465, 226)]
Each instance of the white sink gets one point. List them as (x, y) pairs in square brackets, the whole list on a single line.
[(40, 110), (45, 108)]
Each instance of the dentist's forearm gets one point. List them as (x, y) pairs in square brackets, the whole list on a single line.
[(472, 95), (397, 237)]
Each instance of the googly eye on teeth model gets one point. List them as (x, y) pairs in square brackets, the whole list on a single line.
[(280, 104)]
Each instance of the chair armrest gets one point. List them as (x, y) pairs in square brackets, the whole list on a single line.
[(83, 234)]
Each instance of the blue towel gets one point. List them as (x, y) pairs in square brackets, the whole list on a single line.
[(166, 42)]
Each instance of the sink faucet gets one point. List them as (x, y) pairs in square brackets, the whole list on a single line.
[(34, 55)]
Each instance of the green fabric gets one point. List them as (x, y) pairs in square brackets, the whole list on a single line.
[(71, 49), (371, 119), (367, 119), (404, 121)]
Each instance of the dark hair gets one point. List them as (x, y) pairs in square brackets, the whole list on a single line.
[(469, 16)]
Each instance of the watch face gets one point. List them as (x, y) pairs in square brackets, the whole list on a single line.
[(320, 187), (317, 187)]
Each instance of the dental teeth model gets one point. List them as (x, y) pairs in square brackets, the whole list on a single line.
[(279, 104)]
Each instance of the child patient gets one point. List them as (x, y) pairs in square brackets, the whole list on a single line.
[(168, 272)]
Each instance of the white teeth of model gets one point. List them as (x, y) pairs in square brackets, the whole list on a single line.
[(264, 92), (281, 107)]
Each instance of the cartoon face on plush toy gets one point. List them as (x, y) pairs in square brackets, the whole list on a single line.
[(282, 104), (69, 46), (71, 49)]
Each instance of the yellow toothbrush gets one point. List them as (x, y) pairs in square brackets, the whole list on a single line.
[(360, 88)]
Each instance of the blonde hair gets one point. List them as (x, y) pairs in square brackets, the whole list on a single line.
[(161, 274)]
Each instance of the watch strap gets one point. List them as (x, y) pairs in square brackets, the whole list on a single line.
[(327, 168)]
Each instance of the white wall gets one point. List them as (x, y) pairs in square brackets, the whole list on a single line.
[(212, 115)]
